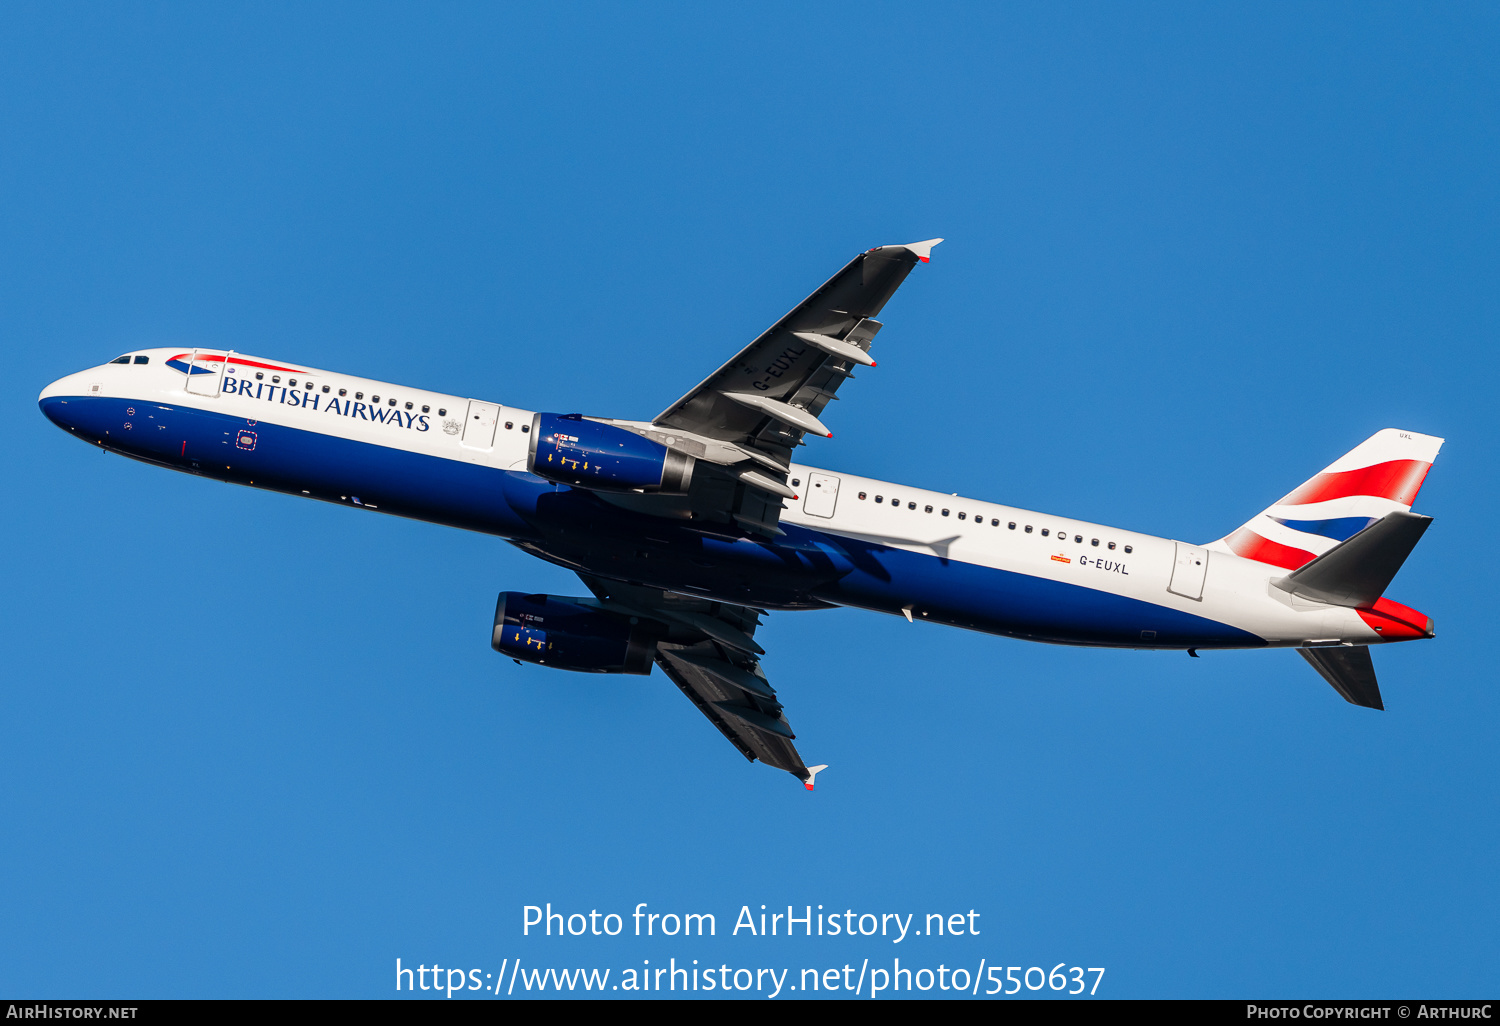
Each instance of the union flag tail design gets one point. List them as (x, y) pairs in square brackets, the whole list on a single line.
[(1380, 475)]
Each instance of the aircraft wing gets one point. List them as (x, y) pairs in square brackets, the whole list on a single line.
[(710, 654), (771, 393), (742, 423)]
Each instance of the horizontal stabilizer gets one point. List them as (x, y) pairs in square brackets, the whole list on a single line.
[(1356, 572), (1350, 671), (812, 772)]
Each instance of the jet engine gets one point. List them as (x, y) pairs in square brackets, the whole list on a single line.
[(572, 634), (569, 450)]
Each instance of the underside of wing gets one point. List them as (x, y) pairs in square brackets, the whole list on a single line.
[(710, 654), (773, 390)]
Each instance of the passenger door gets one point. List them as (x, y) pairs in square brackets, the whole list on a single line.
[(206, 372), (1189, 570), (479, 425)]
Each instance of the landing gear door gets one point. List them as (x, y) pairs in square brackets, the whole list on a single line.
[(206, 372), (1189, 570), (822, 495), (479, 426)]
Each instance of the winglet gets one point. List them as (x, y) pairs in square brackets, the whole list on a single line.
[(923, 250), (812, 771)]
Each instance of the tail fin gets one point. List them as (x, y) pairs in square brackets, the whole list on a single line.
[(1381, 475)]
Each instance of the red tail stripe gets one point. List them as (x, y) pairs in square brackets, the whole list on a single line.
[(1398, 479), (1247, 543), (1393, 620)]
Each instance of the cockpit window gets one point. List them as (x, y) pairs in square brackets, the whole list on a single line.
[(142, 359), (123, 359)]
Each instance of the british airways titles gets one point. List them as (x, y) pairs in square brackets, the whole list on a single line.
[(273, 393)]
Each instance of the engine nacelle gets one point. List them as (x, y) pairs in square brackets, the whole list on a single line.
[(569, 450), (571, 634)]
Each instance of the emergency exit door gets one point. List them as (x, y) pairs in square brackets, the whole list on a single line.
[(822, 495)]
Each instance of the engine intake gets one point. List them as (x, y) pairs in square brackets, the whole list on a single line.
[(571, 634), (569, 450)]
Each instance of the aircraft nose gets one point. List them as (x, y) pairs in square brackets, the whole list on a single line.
[(54, 399)]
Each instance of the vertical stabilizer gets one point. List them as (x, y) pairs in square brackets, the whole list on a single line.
[(1380, 476)]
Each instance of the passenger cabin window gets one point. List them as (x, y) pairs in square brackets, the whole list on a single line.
[(1028, 528), (343, 391), (275, 379), (143, 359), (1094, 542), (1079, 539), (325, 389), (913, 505), (879, 498), (1111, 545), (945, 512), (861, 495), (929, 509), (1127, 548), (427, 409), (408, 406), (1012, 525), (359, 395), (393, 403), (508, 424), (525, 428), (444, 413), (1044, 531), (374, 398), (963, 516), (259, 376)]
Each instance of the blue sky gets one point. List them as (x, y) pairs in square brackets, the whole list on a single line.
[(260, 747)]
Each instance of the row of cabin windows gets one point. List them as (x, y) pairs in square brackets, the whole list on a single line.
[(308, 385), (292, 383), (126, 359), (995, 522)]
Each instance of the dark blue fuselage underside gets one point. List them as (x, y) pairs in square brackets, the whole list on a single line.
[(575, 528)]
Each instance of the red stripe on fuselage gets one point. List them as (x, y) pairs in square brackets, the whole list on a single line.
[(1250, 545), (1398, 480), (236, 361)]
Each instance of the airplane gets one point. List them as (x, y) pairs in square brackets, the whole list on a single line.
[(688, 528)]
